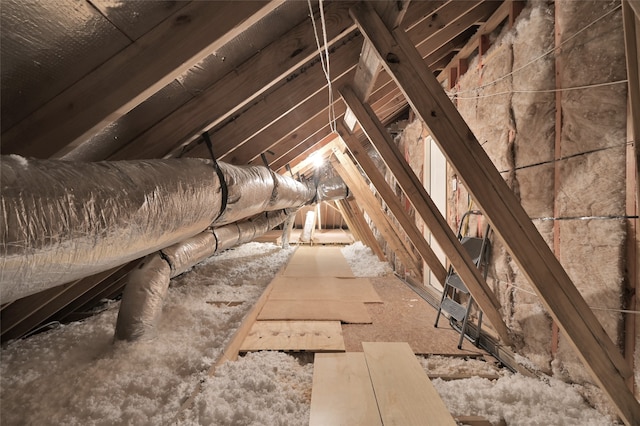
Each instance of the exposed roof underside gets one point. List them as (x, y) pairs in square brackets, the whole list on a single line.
[(104, 80)]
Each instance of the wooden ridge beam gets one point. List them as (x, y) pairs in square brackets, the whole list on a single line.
[(390, 198), (371, 206), (132, 75), (509, 220)]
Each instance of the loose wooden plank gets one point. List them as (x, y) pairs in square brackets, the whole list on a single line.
[(509, 220), (315, 310), (313, 336), (132, 75), (404, 393), (324, 288), (342, 392), (318, 262)]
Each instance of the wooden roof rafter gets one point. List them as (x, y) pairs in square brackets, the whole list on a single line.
[(509, 220)]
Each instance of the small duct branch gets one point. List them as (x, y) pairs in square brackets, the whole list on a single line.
[(147, 286)]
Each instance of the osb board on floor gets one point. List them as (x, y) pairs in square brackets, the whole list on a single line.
[(332, 236), (313, 336), (323, 236), (314, 310), (403, 391), (324, 288), (342, 391), (318, 262), (405, 317)]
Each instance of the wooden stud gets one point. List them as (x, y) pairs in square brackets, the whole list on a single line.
[(631, 24), (515, 7), (428, 211), (480, 40), (131, 76), (509, 220), (387, 194), (453, 77), (483, 44), (555, 332)]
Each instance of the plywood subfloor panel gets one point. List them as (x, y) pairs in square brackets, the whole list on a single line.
[(294, 336), (324, 288), (318, 262), (403, 391), (332, 236), (310, 310), (405, 317), (342, 391)]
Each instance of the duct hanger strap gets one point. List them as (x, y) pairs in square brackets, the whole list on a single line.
[(223, 182)]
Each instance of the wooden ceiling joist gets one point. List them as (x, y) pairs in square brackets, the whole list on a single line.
[(27, 313), (509, 220), (132, 76)]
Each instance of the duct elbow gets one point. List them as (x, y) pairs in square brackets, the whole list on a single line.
[(143, 297)]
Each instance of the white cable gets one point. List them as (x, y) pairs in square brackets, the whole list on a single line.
[(566, 89), (596, 308), (324, 59), (548, 52)]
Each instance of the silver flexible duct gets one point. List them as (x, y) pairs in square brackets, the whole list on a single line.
[(146, 288), (66, 220), (62, 221)]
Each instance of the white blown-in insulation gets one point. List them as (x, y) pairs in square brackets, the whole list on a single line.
[(63, 221), (74, 375)]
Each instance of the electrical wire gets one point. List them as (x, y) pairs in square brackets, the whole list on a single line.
[(324, 59), (566, 89), (548, 52), (596, 308)]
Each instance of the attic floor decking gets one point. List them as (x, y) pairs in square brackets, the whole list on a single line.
[(320, 237), (385, 311)]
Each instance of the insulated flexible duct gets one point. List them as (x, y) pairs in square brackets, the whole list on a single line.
[(147, 287), (66, 220), (63, 221)]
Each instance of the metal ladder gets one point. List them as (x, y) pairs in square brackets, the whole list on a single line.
[(478, 248)]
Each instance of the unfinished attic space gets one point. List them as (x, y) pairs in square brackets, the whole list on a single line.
[(319, 212)]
